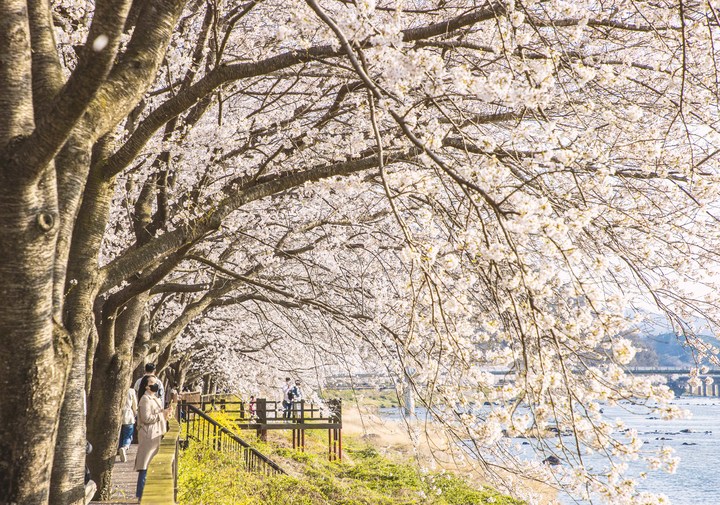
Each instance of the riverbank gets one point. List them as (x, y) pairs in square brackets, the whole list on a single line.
[(364, 477), (424, 443)]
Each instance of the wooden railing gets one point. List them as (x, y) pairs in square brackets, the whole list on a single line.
[(263, 415), (270, 414), (199, 426), (161, 483)]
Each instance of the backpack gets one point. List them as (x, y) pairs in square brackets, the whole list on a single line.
[(291, 394)]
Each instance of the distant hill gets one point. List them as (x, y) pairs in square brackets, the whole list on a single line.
[(665, 349)]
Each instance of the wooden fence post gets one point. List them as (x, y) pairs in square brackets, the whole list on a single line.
[(302, 420), (335, 434), (261, 413)]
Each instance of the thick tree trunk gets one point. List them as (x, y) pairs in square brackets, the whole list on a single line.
[(182, 373), (69, 467), (112, 375), (111, 380), (68, 471), (33, 357), (141, 340), (73, 164), (34, 351)]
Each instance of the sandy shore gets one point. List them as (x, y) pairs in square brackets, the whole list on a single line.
[(394, 436)]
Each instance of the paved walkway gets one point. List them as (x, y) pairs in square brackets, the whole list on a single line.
[(124, 479)]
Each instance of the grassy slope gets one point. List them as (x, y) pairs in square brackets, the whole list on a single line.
[(364, 478), (367, 398)]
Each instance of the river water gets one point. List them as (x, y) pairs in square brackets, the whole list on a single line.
[(697, 479), (696, 441)]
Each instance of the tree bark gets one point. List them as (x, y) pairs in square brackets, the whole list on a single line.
[(112, 376), (68, 471), (34, 351)]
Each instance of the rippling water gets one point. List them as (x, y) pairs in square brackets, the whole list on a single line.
[(697, 479)]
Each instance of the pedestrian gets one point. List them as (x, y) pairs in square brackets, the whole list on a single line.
[(174, 394), (90, 486), (152, 425), (150, 371), (129, 413), (251, 406), (297, 391), (295, 395), (286, 401)]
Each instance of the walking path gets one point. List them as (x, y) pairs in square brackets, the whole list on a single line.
[(124, 479)]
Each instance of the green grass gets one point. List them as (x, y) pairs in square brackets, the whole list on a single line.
[(365, 478), (364, 397)]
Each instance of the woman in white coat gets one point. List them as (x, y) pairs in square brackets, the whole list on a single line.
[(152, 425)]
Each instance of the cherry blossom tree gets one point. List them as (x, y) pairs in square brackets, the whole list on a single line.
[(448, 186)]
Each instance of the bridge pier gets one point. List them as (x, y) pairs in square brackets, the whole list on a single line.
[(677, 380)]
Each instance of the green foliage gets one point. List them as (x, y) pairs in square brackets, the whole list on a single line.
[(365, 397), (225, 420), (455, 491), (207, 476), (369, 478), (381, 474)]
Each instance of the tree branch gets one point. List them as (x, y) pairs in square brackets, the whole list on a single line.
[(191, 311), (137, 259), (96, 60), (16, 117), (47, 76), (228, 73), (137, 68)]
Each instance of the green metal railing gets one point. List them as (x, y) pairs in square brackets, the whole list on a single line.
[(197, 425)]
